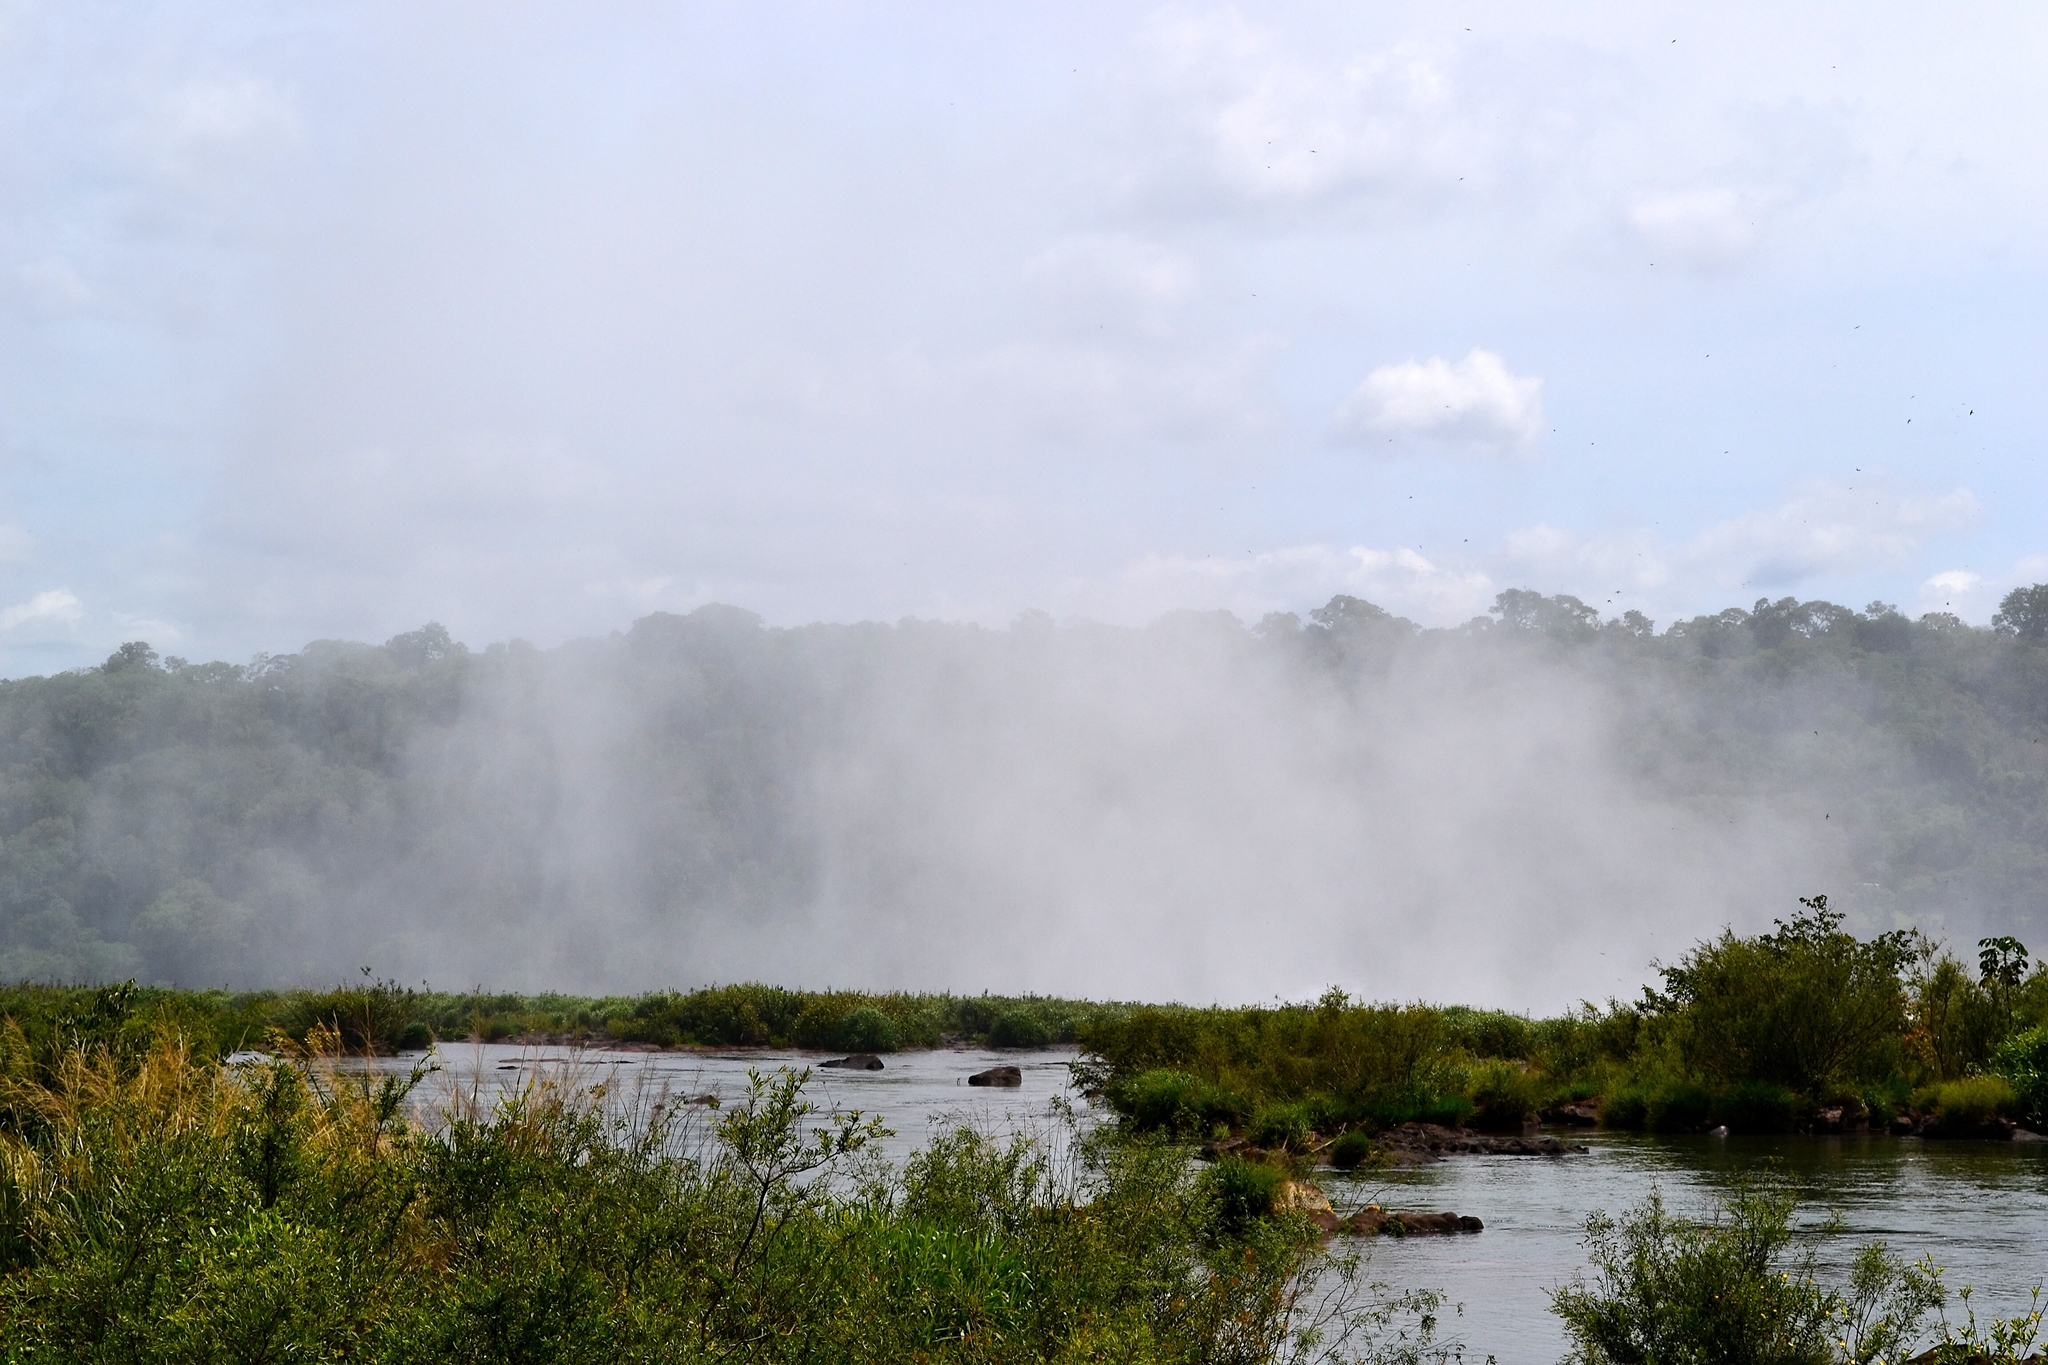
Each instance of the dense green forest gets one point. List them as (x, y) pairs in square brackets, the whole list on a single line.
[(703, 797)]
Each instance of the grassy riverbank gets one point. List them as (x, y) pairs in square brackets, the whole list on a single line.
[(157, 1203), (155, 1206), (1806, 1026)]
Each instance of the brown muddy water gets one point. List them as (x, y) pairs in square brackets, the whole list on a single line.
[(1980, 1209)]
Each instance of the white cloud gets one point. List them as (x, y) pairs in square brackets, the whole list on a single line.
[(1403, 581), (1816, 532), (1699, 227), (1476, 405), (57, 607), (1830, 528), (1955, 591)]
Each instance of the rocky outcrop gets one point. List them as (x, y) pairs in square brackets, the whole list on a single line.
[(1374, 1221), (1990, 1130), (997, 1075), (859, 1061), (1574, 1114), (1414, 1144)]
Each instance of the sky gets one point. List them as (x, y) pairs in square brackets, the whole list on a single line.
[(324, 320)]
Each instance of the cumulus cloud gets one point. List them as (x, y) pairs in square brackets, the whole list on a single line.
[(1475, 405), (1953, 591)]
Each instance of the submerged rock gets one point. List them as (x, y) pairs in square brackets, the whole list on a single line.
[(997, 1075), (859, 1061)]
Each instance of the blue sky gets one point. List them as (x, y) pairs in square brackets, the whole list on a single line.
[(325, 320)]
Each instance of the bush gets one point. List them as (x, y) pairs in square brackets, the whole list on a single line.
[(1491, 1033), (1729, 1291), (867, 1029), (1282, 1125), (1504, 1097), (1175, 1102), (1809, 1007), (2023, 1062), (1626, 1107), (1351, 1151), (1015, 1028), (185, 1211), (1679, 1107), (1760, 1107), (1968, 1106), (1244, 1191)]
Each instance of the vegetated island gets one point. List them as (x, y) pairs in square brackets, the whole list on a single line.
[(160, 1203)]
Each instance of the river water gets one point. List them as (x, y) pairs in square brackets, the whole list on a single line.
[(1979, 1208)]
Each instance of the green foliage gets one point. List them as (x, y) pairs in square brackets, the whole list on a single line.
[(2023, 1062), (380, 1017), (1966, 1107), (1956, 1021), (1734, 1291), (1166, 1101), (170, 1209), (1809, 1007), (1244, 1191), (1759, 1107), (865, 1029), (1366, 1063), (209, 823), (1017, 1028), (1350, 1151), (1506, 1096)]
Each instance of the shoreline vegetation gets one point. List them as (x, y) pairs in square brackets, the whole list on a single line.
[(1806, 1028), (213, 1176)]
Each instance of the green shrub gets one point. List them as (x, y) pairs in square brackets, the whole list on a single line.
[(1015, 1028), (1244, 1191), (189, 1212), (373, 1018), (1491, 1033), (1626, 1107), (1809, 1007), (1679, 1107), (1351, 1151), (1733, 1292), (1174, 1102), (1760, 1107), (1504, 1097), (2023, 1062), (1966, 1106), (1282, 1125), (867, 1029)]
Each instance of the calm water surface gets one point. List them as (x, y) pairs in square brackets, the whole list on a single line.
[(1979, 1208)]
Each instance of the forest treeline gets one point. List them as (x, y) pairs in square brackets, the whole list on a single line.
[(609, 804)]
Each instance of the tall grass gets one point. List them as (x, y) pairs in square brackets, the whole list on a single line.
[(159, 1206)]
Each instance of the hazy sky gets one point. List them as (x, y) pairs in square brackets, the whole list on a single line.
[(326, 319)]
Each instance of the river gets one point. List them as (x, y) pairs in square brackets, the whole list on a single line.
[(1979, 1208)]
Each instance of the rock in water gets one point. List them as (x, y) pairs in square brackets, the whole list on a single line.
[(859, 1061), (997, 1075), (1374, 1221)]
